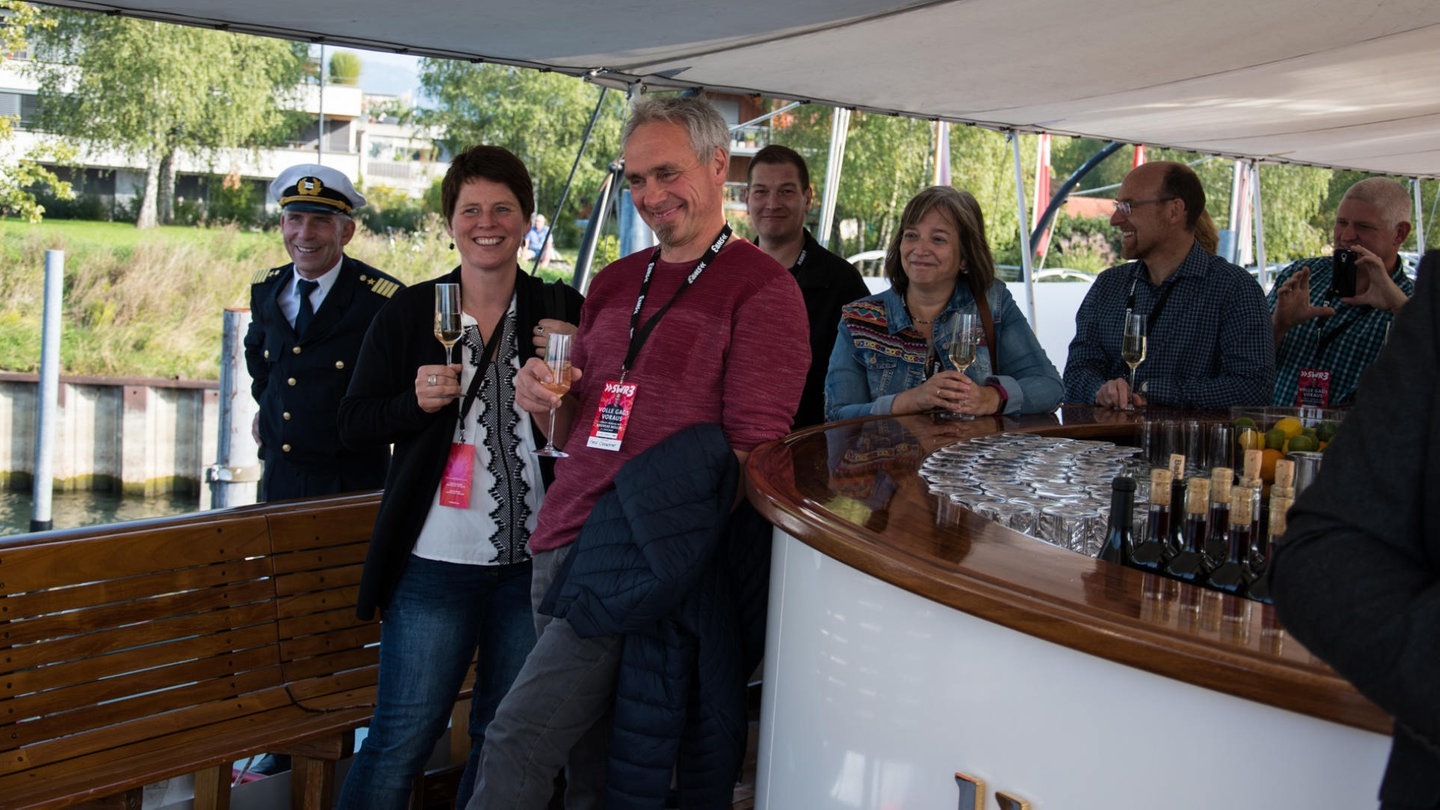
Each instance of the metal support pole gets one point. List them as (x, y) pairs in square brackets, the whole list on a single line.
[(234, 477), (1026, 263), (839, 131), (1237, 184), (1419, 219), (1262, 272), (320, 142), (41, 518)]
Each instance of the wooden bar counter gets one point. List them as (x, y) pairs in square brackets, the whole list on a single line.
[(911, 639)]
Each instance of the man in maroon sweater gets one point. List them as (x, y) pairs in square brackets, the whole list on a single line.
[(704, 329)]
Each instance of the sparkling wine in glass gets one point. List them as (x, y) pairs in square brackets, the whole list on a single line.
[(557, 358), (962, 347), (447, 318), (1132, 348)]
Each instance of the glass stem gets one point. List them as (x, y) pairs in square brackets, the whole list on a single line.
[(550, 437)]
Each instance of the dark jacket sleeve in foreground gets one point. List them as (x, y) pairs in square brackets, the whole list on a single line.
[(1357, 578)]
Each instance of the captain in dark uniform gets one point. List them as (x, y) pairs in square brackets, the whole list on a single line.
[(307, 321)]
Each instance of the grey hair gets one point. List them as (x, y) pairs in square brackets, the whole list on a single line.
[(703, 124), (1391, 197)]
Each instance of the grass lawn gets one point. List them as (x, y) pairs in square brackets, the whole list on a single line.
[(150, 303)]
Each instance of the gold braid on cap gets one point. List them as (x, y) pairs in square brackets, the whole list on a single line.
[(311, 190)]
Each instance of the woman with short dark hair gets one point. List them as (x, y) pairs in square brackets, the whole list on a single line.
[(448, 566)]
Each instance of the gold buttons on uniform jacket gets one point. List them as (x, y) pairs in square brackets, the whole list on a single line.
[(340, 364), (285, 447), (290, 382), (285, 416), (295, 350)]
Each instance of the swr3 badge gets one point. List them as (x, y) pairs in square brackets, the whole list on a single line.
[(617, 401)]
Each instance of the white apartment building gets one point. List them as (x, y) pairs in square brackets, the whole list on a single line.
[(374, 150)]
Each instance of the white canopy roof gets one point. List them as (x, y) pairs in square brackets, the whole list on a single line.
[(1327, 82)]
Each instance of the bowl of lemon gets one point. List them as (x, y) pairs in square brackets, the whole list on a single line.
[(1277, 432)]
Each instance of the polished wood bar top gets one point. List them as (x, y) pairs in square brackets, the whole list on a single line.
[(853, 491)]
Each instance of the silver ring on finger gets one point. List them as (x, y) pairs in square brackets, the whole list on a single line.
[(430, 380)]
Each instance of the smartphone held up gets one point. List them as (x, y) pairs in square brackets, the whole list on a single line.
[(1342, 274)]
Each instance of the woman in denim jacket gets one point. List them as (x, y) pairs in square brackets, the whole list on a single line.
[(890, 343)]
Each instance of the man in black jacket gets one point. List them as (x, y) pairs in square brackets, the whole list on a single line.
[(1357, 578), (778, 198), (307, 321)]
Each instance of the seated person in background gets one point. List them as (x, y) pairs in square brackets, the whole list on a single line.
[(1208, 330), (938, 264), (777, 199), (537, 242), (1322, 341), (1356, 577)]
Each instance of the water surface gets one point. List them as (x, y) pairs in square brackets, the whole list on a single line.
[(70, 510)]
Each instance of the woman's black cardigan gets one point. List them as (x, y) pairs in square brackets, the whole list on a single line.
[(380, 408)]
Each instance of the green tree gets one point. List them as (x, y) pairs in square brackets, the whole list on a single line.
[(539, 116), (345, 68), (885, 163), (982, 162), (151, 90), (21, 174), (889, 159), (1292, 200)]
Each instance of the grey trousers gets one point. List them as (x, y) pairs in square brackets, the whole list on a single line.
[(552, 716)]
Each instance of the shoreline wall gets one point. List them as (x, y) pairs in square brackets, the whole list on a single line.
[(140, 436)]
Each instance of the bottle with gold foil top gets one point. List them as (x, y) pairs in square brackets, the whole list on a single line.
[(1222, 479), (1153, 552), (1190, 564), (1233, 575)]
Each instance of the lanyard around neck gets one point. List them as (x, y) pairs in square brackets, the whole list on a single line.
[(1159, 307), (489, 348), (638, 337)]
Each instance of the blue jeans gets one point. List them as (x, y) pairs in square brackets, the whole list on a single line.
[(440, 613)]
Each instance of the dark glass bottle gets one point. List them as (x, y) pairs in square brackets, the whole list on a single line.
[(1282, 495), (1177, 504), (1190, 564), (1153, 552), (1251, 478), (1119, 544), (1222, 479), (1233, 575)]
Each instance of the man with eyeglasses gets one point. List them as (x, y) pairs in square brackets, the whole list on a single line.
[(1323, 340), (1209, 343), (704, 334)]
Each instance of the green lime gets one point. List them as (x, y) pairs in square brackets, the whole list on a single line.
[(1312, 433), (1275, 439), (1326, 431), (1304, 443), (1244, 423)]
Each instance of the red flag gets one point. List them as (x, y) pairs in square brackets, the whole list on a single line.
[(1042, 193), (1139, 155)]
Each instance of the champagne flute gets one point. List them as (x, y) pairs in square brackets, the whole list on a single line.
[(557, 358), (962, 348), (1132, 349), (447, 318)]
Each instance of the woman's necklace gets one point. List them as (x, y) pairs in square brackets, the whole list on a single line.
[(921, 321)]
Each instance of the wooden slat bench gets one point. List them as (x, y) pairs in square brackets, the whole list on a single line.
[(138, 652)]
